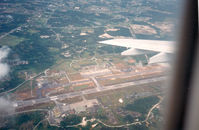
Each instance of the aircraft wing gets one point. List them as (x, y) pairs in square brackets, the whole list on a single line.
[(150, 45), (139, 46)]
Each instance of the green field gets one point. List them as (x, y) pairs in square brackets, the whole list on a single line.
[(11, 40), (77, 88)]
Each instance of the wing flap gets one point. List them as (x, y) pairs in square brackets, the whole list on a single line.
[(133, 51)]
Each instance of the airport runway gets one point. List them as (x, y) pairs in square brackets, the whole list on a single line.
[(135, 83)]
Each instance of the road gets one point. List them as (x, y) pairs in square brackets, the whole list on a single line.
[(6, 34), (21, 84), (96, 83), (131, 31), (136, 122), (135, 83)]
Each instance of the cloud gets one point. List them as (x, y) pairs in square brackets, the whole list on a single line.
[(4, 68), (6, 107)]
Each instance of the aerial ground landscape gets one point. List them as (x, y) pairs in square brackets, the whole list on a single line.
[(55, 73)]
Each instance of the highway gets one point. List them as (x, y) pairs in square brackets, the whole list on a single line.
[(99, 88)]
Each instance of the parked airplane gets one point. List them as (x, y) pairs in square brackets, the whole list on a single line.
[(140, 46)]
